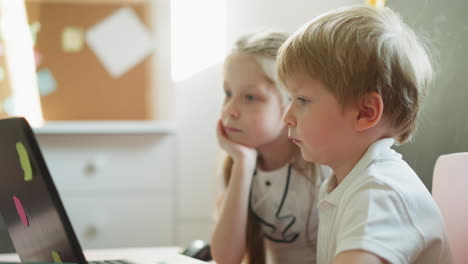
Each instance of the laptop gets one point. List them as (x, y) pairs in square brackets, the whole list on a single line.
[(31, 206)]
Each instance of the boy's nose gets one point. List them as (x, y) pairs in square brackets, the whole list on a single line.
[(289, 119)]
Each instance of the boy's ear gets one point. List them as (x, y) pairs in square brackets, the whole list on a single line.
[(369, 111)]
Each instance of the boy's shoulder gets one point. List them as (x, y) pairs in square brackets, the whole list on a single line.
[(393, 172), (394, 187), (383, 168), (381, 177), (388, 195), (390, 177)]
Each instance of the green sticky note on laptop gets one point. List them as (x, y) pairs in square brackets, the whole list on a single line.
[(24, 161), (56, 257)]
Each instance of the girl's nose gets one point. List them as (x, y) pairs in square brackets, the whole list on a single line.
[(234, 113), (231, 110)]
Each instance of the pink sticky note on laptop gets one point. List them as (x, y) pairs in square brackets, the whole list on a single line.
[(20, 209)]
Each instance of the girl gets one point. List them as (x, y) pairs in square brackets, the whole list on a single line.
[(268, 212)]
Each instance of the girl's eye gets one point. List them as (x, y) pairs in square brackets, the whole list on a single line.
[(302, 100), (228, 94), (250, 97)]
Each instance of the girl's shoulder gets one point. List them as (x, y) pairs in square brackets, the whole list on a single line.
[(316, 173)]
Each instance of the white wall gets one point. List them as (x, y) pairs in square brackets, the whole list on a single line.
[(246, 15), (199, 102)]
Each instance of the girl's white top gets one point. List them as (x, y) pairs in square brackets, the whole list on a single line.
[(285, 203)]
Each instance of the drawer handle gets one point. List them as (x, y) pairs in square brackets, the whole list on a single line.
[(95, 165), (90, 169), (90, 232)]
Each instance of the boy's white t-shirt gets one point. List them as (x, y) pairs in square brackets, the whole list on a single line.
[(381, 207), (285, 203)]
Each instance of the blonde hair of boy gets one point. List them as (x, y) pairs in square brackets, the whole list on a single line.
[(358, 50), (263, 47)]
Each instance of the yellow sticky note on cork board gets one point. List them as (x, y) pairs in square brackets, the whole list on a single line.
[(376, 3), (72, 39)]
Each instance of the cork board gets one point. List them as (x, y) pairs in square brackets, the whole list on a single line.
[(84, 88)]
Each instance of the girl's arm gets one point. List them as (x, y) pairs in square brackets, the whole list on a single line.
[(228, 239)]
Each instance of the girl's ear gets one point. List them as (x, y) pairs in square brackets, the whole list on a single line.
[(369, 111)]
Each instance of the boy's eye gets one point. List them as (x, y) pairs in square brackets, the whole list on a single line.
[(227, 94), (250, 97)]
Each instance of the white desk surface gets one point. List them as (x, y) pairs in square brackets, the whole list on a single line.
[(114, 253)]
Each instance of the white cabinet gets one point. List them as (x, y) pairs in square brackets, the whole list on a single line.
[(118, 190), (129, 220)]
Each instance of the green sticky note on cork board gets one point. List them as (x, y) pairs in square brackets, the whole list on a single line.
[(24, 161)]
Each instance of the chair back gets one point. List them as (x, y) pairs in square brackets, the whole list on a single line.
[(450, 192)]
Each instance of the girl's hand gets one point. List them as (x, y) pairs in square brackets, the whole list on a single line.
[(237, 151)]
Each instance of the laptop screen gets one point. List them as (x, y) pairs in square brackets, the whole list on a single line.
[(29, 202)]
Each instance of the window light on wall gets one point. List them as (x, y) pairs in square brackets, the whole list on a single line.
[(20, 64), (198, 36)]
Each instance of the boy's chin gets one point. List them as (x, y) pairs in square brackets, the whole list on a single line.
[(307, 156)]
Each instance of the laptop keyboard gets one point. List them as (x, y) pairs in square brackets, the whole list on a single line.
[(117, 261)]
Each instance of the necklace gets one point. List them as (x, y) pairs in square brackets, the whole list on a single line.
[(285, 235)]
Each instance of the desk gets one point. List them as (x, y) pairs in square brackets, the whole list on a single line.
[(144, 254)]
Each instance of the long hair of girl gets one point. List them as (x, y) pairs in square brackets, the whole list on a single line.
[(255, 248)]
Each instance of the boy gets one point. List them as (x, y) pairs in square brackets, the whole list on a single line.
[(357, 77)]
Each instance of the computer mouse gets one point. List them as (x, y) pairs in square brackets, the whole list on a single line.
[(198, 249)]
